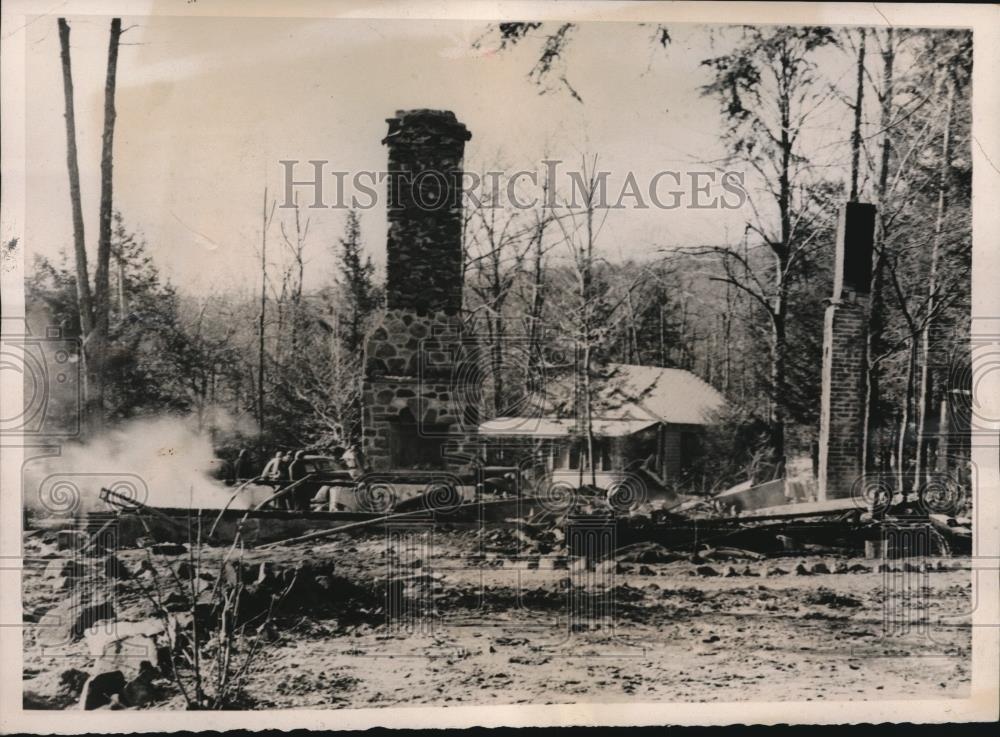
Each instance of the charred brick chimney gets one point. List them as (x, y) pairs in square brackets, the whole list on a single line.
[(417, 412), (842, 404)]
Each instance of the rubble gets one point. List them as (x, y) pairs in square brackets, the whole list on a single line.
[(349, 582), (100, 688), (54, 689)]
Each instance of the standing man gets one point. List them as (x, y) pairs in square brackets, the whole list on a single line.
[(297, 471), (272, 471), (241, 466), (354, 461)]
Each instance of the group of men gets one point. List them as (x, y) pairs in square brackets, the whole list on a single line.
[(286, 470), (283, 470)]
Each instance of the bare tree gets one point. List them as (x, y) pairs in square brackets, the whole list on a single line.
[(768, 88), (581, 228), (94, 306), (266, 217)]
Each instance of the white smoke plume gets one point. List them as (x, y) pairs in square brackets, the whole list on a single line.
[(162, 462)]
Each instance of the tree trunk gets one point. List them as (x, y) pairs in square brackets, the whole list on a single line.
[(84, 303), (923, 396), (588, 419), (496, 360), (873, 331), (782, 252), (263, 310), (93, 409), (96, 342), (856, 133), (663, 342), (943, 449), (904, 482), (778, 347)]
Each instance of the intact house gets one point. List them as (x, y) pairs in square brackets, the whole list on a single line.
[(646, 421)]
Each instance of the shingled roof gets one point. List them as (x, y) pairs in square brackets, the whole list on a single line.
[(628, 392), (624, 395)]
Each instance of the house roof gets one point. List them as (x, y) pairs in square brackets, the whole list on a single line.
[(550, 427), (627, 399), (662, 394)]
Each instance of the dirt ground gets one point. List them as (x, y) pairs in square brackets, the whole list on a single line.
[(486, 627)]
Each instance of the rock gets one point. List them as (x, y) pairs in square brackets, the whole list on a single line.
[(140, 691), (35, 614), (819, 568), (706, 571), (68, 621), (168, 549), (234, 573), (646, 571), (841, 567), (54, 690), (100, 687), (183, 570), (712, 638), (63, 567), (555, 563), (748, 572), (128, 655), (787, 543), (114, 568), (114, 704), (801, 570), (63, 583), (175, 601), (859, 568), (265, 574), (834, 600), (98, 640), (776, 572), (731, 572), (130, 648), (71, 539)]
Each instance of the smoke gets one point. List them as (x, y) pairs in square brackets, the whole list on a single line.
[(162, 462)]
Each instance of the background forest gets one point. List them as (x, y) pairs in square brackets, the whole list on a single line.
[(746, 316)]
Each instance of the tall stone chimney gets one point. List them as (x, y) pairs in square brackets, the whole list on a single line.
[(417, 409), (842, 405)]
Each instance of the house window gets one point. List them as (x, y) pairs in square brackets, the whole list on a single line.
[(575, 454)]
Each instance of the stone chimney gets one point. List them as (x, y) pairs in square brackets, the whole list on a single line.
[(417, 409), (842, 404)]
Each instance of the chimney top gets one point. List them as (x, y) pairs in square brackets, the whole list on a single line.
[(418, 123), (855, 243)]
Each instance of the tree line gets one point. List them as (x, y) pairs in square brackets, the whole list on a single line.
[(545, 298)]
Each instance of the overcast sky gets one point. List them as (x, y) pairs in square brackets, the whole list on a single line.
[(207, 107)]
